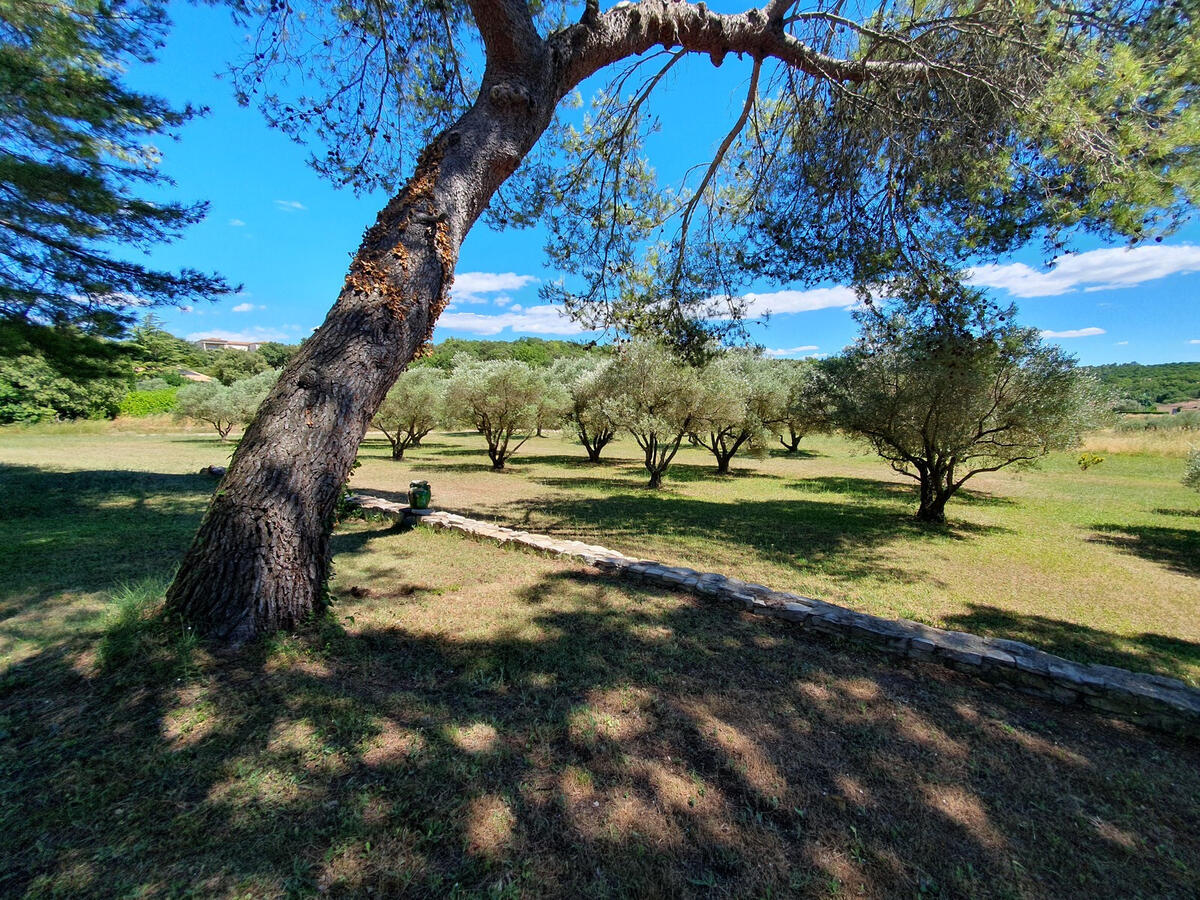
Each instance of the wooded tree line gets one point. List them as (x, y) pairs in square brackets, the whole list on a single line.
[(64, 372), (1140, 387)]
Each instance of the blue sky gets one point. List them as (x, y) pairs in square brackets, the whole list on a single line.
[(287, 236)]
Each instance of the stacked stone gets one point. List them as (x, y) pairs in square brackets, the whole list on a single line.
[(1165, 704)]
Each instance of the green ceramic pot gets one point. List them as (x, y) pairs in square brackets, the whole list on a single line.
[(419, 494)]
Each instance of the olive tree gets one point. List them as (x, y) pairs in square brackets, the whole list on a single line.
[(1191, 473), (499, 399), (555, 401), (587, 385), (411, 409), (224, 406), (802, 407), (867, 137), (739, 398), (654, 397), (947, 391)]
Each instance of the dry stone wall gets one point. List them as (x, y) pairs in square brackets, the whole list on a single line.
[(1153, 701)]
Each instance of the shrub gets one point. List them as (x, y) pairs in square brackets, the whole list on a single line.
[(1191, 472), (149, 402)]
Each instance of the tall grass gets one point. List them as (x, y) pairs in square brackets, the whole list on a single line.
[(136, 632), (1152, 442)]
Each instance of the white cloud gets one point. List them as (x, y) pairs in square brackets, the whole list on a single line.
[(237, 223), (246, 307), (544, 319), (1194, 342), (1095, 270), (1122, 344), (290, 206), (806, 350), (285, 334), (800, 301), (1074, 333), (474, 287)]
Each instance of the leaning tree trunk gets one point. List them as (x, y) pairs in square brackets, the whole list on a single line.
[(260, 560)]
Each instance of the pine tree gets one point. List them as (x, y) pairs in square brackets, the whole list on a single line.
[(74, 151)]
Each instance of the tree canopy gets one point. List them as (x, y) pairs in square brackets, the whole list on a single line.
[(1045, 117), (413, 408), (498, 398), (944, 391), (74, 152), (655, 398), (224, 406)]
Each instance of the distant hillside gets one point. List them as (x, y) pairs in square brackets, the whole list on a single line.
[(1144, 386), (535, 351)]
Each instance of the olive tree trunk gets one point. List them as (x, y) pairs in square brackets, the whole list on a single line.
[(792, 442), (937, 487), (260, 560)]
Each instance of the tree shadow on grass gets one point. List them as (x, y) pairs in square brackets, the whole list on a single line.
[(885, 491), (685, 473), (622, 742), (594, 480), (91, 530), (1147, 652), (847, 538), (1178, 549), (801, 453), (577, 461), (385, 445), (1184, 513), (625, 473)]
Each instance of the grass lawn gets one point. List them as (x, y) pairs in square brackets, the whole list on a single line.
[(476, 721), (1100, 566)]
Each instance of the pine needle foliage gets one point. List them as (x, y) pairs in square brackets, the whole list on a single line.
[(75, 151)]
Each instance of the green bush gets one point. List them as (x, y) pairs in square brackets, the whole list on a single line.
[(1191, 472), (32, 390), (149, 403)]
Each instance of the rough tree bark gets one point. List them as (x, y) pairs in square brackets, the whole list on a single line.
[(937, 487), (260, 560), (724, 448)]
